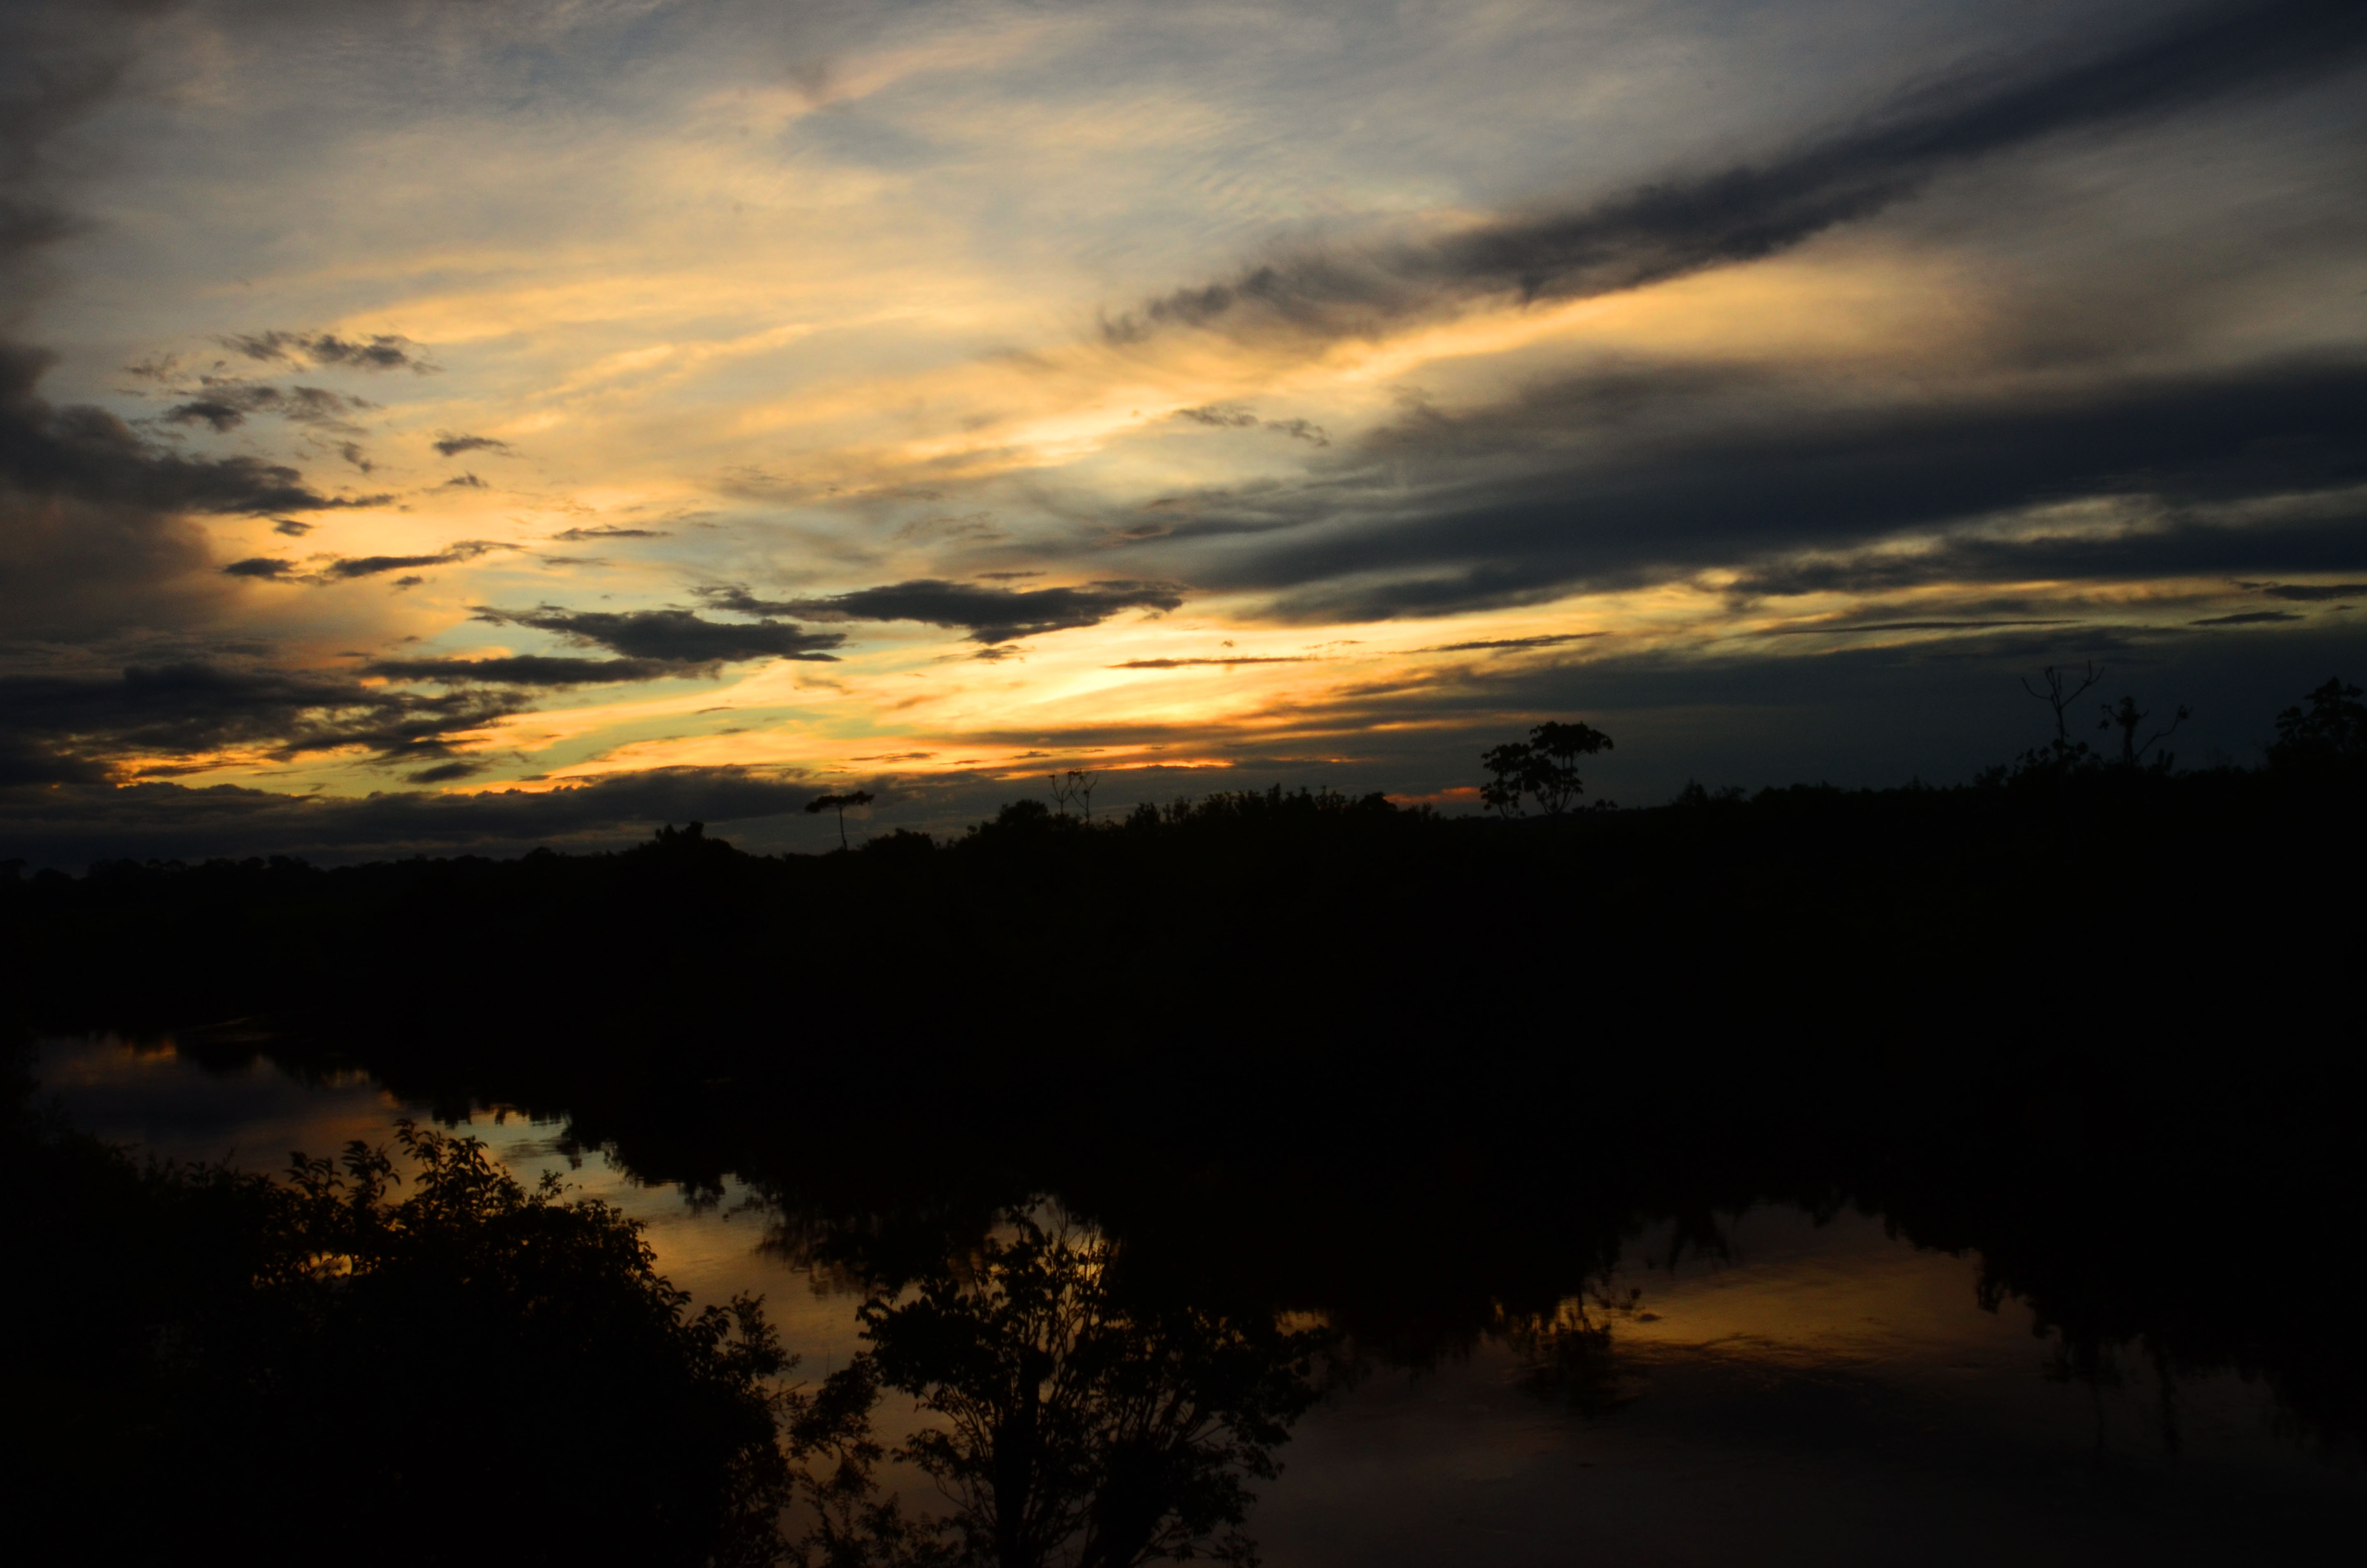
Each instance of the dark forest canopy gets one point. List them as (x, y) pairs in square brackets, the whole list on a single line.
[(1285, 1053), (1293, 915)]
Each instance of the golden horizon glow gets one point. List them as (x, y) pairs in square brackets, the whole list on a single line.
[(1024, 301)]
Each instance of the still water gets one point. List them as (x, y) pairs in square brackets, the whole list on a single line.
[(1810, 1389)]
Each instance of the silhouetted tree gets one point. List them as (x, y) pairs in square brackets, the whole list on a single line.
[(1076, 1422), (1543, 768), (2332, 730), (1554, 749), (839, 803), (222, 1366), (1075, 784), (2060, 694), (1508, 769), (2126, 717), (1567, 1354)]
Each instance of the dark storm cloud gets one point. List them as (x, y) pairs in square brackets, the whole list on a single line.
[(735, 598), (220, 412), (71, 824), (2178, 547), (1750, 210), (90, 455), (385, 351), (93, 538), (1557, 491), (464, 481), (96, 532), (2312, 592), (452, 446), (265, 567), (224, 403), (85, 723), (535, 670), (988, 614), (345, 568), (2248, 618), (674, 636)]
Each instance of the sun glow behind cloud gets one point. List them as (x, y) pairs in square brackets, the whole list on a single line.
[(1031, 299)]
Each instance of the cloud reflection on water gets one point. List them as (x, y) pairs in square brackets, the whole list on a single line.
[(1819, 1388)]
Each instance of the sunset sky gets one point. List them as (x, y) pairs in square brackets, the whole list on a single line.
[(444, 423)]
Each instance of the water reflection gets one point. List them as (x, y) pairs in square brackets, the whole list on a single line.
[(1076, 1414), (1690, 1366)]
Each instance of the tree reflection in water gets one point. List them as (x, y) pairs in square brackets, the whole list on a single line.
[(1567, 1355), (1076, 1417), (211, 1366)]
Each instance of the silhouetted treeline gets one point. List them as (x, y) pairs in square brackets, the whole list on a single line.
[(205, 1366), (2054, 898), (1422, 1076)]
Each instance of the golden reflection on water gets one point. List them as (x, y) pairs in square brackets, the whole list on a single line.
[(254, 1117), (1814, 1393)]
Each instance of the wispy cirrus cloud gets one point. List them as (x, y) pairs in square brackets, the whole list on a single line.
[(1750, 211)]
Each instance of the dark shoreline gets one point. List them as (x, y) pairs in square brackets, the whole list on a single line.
[(2088, 1023)]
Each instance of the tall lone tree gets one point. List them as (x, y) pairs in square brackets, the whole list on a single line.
[(1543, 768), (840, 803)]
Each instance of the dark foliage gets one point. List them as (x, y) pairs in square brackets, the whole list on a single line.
[(2331, 733), (212, 1367), (1422, 1077), (1543, 769), (1080, 1419)]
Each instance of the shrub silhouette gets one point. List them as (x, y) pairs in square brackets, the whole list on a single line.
[(268, 1365), (2332, 731)]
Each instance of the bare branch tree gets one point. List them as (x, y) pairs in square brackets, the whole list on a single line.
[(1081, 785), (2060, 700), (1064, 790), (2126, 717)]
